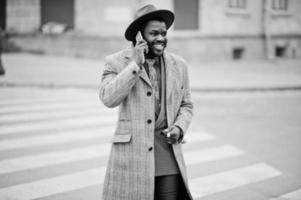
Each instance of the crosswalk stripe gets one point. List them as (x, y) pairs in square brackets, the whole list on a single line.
[(54, 185), (59, 138), (94, 151), (43, 107), (294, 195), (53, 158), (17, 117), (198, 135), (52, 106), (77, 122), (200, 187), (78, 135), (212, 154), (227, 180), (37, 100)]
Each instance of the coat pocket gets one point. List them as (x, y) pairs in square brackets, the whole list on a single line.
[(122, 137)]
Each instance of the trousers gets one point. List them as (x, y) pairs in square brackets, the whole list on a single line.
[(167, 187)]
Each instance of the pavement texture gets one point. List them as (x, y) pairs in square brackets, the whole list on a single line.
[(55, 71)]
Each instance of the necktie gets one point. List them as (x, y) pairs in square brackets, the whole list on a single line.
[(153, 76)]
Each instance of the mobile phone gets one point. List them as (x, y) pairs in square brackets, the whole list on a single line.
[(139, 37)]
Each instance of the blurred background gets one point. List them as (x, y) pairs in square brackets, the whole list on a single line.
[(244, 56), (206, 29)]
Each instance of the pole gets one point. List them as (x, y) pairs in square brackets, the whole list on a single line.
[(266, 30)]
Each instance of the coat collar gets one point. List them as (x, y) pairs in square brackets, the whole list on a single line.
[(169, 66), (127, 54)]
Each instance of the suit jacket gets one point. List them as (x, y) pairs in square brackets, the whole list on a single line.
[(130, 171)]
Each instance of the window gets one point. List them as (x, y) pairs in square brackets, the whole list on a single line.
[(241, 4), (237, 53), (280, 5), (280, 51), (61, 11), (187, 14), (3, 14)]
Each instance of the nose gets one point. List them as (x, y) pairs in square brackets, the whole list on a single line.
[(160, 38)]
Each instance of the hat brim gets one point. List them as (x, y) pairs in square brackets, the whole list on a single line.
[(137, 24)]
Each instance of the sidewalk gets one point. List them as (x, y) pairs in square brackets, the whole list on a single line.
[(53, 71)]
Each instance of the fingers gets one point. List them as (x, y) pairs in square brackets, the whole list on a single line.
[(172, 136), (138, 53), (142, 45), (140, 42), (165, 131)]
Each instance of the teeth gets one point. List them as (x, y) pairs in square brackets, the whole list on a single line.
[(159, 46)]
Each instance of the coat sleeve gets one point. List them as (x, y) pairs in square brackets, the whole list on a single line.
[(116, 83), (185, 111)]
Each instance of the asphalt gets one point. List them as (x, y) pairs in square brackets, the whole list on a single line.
[(32, 70)]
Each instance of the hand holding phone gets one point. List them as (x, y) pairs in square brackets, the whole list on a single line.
[(140, 49), (140, 38)]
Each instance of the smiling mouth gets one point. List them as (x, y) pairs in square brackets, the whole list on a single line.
[(159, 47)]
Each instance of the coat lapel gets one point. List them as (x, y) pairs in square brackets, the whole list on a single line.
[(143, 75), (169, 76)]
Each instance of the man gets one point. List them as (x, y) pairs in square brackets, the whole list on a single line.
[(151, 88)]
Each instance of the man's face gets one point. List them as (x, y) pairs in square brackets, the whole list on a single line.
[(155, 35)]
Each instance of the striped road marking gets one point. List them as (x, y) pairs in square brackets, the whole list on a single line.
[(21, 117), (37, 100), (54, 185), (212, 154), (223, 181), (78, 135), (53, 158), (200, 187), (55, 124), (54, 139), (94, 151), (294, 195), (71, 108), (51, 106)]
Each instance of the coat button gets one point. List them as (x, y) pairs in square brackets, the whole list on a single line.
[(149, 93), (149, 121), (150, 148), (134, 72)]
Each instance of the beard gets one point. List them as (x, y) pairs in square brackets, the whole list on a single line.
[(156, 48)]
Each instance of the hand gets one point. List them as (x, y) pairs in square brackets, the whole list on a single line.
[(139, 49), (172, 134), (138, 52)]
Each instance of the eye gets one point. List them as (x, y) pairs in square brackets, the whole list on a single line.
[(164, 33), (154, 33)]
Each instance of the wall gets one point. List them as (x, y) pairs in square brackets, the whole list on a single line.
[(286, 22), (218, 19), (196, 49), (221, 29), (103, 18), (23, 16)]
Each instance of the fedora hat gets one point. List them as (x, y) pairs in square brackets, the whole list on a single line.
[(145, 14)]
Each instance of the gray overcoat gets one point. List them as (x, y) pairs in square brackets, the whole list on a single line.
[(130, 171)]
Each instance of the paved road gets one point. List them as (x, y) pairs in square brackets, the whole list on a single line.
[(54, 71), (54, 145)]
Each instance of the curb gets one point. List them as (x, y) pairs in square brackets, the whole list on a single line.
[(248, 89), (194, 89)]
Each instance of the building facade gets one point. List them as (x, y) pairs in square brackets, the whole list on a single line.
[(206, 29)]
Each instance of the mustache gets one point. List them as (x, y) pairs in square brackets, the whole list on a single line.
[(158, 42)]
